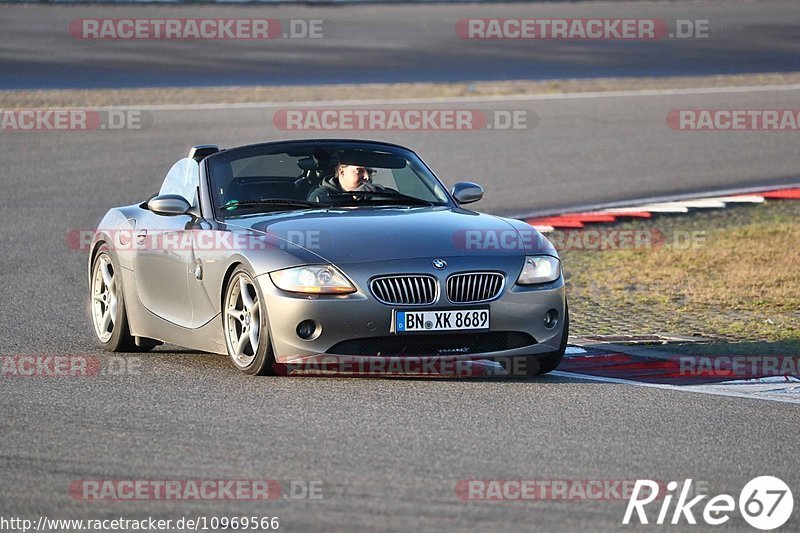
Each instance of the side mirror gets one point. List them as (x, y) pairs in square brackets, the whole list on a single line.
[(168, 205), (466, 192)]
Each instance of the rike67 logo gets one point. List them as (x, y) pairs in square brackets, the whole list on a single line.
[(765, 503)]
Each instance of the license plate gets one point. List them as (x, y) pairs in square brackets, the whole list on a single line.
[(443, 320)]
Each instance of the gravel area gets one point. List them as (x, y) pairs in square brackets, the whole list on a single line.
[(600, 305)]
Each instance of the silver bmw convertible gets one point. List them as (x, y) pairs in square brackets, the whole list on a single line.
[(340, 256)]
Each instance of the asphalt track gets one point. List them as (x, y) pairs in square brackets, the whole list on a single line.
[(390, 43), (389, 452)]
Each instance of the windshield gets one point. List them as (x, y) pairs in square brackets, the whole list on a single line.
[(284, 176)]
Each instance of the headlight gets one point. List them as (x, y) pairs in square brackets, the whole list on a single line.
[(539, 269), (315, 279)]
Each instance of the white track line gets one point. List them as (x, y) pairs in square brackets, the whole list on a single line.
[(574, 350), (460, 99), (747, 199), (704, 203), (670, 207), (701, 389), (639, 204)]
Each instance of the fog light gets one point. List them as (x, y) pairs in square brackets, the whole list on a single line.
[(551, 319), (306, 329)]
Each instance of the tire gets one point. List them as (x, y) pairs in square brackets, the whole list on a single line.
[(107, 306), (238, 320), (550, 361)]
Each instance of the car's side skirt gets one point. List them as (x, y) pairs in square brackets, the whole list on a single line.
[(143, 323)]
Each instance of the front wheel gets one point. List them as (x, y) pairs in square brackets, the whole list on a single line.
[(245, 324), (107, 305)]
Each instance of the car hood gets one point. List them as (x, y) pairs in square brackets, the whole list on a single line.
[(386, 233)]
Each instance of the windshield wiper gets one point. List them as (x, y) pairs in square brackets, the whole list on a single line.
[(277, 202), (385, 193)]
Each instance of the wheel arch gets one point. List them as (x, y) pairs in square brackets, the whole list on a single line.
[(95, 249), (225, 279), (236, 261)]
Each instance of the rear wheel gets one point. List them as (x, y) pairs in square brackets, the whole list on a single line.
[(244, 321), (107, 306)]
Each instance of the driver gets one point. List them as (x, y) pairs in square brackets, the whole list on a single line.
[(345, 178)]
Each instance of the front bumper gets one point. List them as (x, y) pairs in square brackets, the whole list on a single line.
[(343, 318)]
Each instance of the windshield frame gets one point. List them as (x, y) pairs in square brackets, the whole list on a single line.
[(276, 147)]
